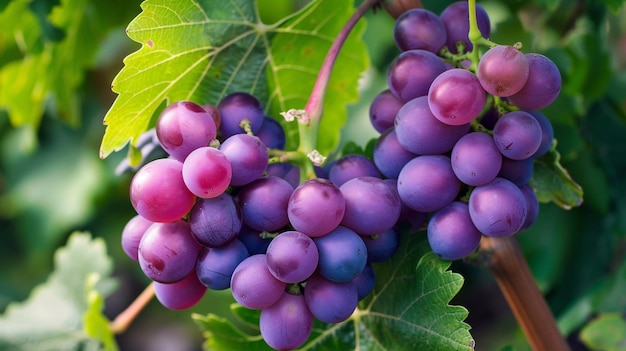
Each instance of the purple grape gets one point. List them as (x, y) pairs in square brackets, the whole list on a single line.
[(167, 252), (427, 183), (292, 257), (352, 166), (316, 207), (456, 97), (503, 70), (517, 171), (412, 72), (287, 171), (542, 86), (287, 324), (182, 294), (215, 222), (547, 133), (252, 284), (264, 203), (383, 110), (365, 282), (329, 301), (183, 127), (455, 19), (372, 206), (342, 254), (475, 159), (419, 29), (497, 208), (409, 218), (253, 240), (215, 265), (272, 134), (207, 172), (389, 155), (237, 107), (532, 206), (158, 192), (381, 247), (517, 135), (131, 235), (421, 133), (451, 233), (248, 158)]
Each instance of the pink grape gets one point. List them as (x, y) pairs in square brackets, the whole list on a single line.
[(207, 172), (456, 97)]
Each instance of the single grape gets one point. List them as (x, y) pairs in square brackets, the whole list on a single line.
[(455, 19), (372, 206), (532, 206), (497, 208), (419, 29), (167, 252), (547, 133), (158, 192), (287, 324), (183, 127), (383, 110), (517, 135), (292, 257), (427, 183), (272, 134), (342, 254), (131, 235), (456, 97), (381, 247), (421, 133), (517, 171), (365, 282), (316, 207), (352, 166), (236, 108), (252, 284), (542, 86), (215, 265), (182, 294), (503, 70), (451, 233), (412, 72), (215, 222), (329, 301), (389, 155), (207, 172), (247, 156), (264, 203), (476, 159)]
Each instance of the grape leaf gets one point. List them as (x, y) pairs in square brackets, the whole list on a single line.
[(203, 50), (408, 310), (607, 332), (552, 182), (51, 318)]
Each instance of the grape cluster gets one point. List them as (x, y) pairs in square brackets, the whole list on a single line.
[(460, 140), (455, 155)]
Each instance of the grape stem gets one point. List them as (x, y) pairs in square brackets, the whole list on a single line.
[(315, 105), (126, 317), (508, 265)]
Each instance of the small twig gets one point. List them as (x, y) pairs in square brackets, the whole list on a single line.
[(518, 285), (126, 317)]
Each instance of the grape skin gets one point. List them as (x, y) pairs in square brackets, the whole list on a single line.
[(252, 284), (476, 159), (412, 73), (312, 200), (451, 233), (456, 97), (287, 324), (419, 29), (292, 257), (542, 86), (517, 135), (215, 222), (503, 70), (215, 265), (182, 294), (497, 208), (131, 235), (207, 172), (330, 301), (342, 254)]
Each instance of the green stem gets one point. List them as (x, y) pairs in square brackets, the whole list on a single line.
[(474, 34)]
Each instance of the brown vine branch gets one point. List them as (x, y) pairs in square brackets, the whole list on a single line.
[(520, 290), (126, 317)]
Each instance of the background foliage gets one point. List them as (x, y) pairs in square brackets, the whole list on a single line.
[(57, 62)]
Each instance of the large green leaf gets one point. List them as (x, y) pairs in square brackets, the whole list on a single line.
[(408, 310), (52, 317), (203, 50)]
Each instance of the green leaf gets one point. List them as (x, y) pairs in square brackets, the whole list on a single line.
[(51, 318), (605, 333), (203, 50), (408, 310), (95, 324), (553, 183)]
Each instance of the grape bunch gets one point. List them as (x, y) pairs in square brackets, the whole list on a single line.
[(454, 156), (460, 138)]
